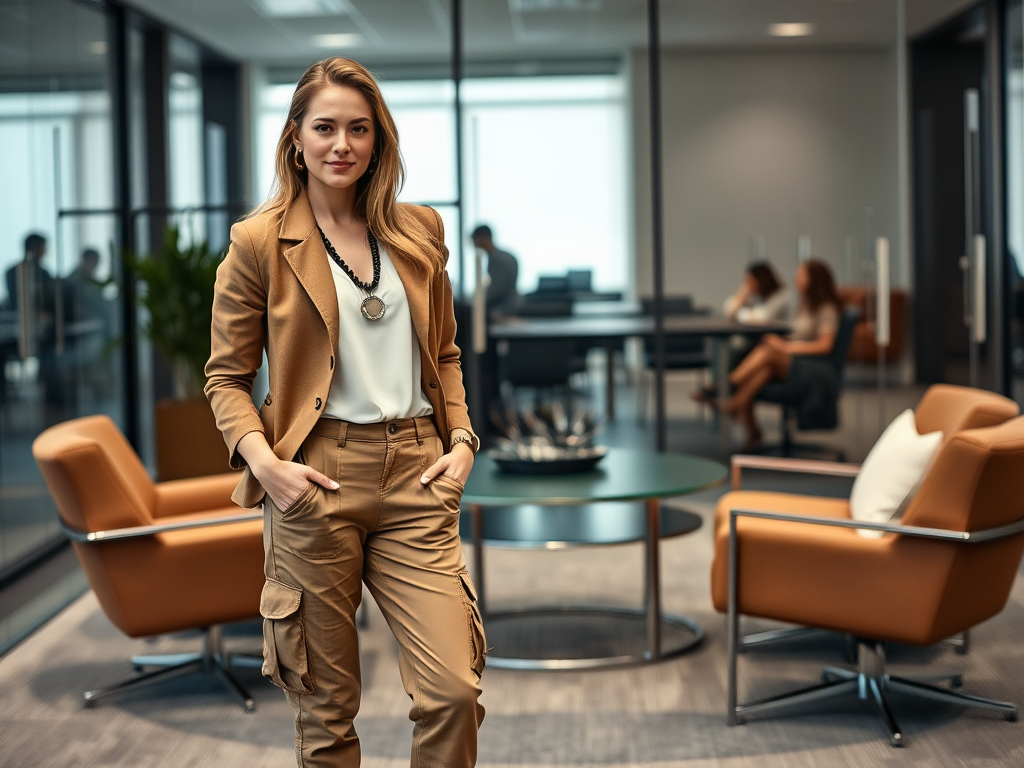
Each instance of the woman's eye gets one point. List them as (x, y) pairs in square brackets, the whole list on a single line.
[(322, 128), (360, 129)]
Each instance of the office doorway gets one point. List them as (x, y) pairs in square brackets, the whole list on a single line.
[(1014, 88), (952, 144)]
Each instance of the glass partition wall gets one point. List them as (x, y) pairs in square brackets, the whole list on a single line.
[(58, 315), (1014, 292), (110, 127)]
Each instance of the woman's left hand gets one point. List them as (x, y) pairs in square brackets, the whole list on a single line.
[(775, 342), (456, 464)]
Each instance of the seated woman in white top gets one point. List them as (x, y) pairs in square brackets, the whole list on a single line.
[(761, 298), (814, 333)]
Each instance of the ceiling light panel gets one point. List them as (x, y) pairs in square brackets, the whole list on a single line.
[(529, 6), (294, 9), (337, 40), (791, 29)]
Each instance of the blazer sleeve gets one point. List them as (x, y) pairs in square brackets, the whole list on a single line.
[(449, 363), (237, 341)]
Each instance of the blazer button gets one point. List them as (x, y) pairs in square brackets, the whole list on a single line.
[(332, 362), (268, 400), (319, 402), (392, 428), (433, 384)]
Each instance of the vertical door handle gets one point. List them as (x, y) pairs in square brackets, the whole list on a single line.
[(979, 326)]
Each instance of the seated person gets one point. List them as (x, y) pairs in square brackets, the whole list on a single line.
[(761, 298), (502, 271), (814, 332)]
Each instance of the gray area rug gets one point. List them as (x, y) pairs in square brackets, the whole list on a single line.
[(669, 714)]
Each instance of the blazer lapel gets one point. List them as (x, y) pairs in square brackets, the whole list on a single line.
[(309, 262), (417, 293)]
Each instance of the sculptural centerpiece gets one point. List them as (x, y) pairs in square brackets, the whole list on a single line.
[(547, 440)]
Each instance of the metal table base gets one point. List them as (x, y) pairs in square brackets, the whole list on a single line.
[(694, 630), (651, 615)]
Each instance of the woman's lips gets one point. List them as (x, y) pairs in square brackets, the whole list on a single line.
[(341, 166)]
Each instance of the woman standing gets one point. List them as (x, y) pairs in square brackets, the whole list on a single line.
[(814, 333), (360, 451)]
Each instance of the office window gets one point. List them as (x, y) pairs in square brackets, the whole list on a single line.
[(544, 164), (546, 169), (63, 139)]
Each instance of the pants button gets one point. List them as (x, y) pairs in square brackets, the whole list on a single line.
[(392, 428)]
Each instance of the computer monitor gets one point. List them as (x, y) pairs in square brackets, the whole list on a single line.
[(579, 280), (552, 284)]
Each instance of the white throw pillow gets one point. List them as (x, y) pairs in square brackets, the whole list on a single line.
[(892, 470)]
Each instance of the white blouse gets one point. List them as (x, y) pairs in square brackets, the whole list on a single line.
[(378, 375), (757, 310)]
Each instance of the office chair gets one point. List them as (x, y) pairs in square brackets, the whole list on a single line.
[(681, 354), (943, 408), (947, 566), (161, 557), (790, 394)]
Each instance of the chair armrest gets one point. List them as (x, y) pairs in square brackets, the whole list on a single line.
[(140, 531), (195, 494), (802, 466), (966, 537)]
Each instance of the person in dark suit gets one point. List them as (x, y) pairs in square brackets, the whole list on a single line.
[(503, 271), (30, 283)]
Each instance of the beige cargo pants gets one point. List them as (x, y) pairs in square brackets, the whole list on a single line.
[(402, 538)]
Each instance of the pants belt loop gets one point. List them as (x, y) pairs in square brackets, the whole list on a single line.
[(342, 433), (416, 426)]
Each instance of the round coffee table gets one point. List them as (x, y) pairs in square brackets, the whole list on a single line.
[(503, 512)]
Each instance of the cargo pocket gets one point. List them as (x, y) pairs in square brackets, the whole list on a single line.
[(477, 637), (284, 641)]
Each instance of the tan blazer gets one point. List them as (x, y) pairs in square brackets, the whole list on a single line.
[(275, 291)]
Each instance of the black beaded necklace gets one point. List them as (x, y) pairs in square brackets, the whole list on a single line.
[(372, 307)]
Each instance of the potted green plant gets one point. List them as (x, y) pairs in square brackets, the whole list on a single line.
[(175, 288)]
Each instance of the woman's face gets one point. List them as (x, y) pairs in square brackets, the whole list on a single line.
[(336, 136), (801, 280)]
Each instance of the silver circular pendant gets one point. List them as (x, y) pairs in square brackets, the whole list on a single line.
[(372, 308)]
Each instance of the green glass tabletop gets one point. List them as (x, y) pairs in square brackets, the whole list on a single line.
[(622, 475)]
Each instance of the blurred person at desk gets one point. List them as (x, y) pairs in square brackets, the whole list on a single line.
[(502, 273), (761, 298), (814, 333), (31, 294), (89, 313)]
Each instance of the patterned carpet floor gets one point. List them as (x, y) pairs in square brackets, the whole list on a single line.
[(667, 714)]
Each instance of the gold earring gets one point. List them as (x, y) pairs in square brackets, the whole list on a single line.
[(298, 165)]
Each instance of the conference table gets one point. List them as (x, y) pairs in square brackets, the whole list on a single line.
[(595, 508), (610, 329)]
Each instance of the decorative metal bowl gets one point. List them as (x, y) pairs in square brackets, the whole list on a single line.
[(529, 459)]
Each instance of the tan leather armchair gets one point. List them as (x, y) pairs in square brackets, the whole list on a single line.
[(943, 407), (161, 557), (949, 566)]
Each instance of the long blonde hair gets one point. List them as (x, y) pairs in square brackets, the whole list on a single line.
[(377, 190)]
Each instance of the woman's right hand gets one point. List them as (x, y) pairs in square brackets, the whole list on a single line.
[(285, 480)]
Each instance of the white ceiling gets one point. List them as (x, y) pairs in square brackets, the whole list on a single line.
[(407, 30), (38, 37)]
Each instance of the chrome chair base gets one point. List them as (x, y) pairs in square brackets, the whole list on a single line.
[(210, 661), (870, 681), (961, 643)]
